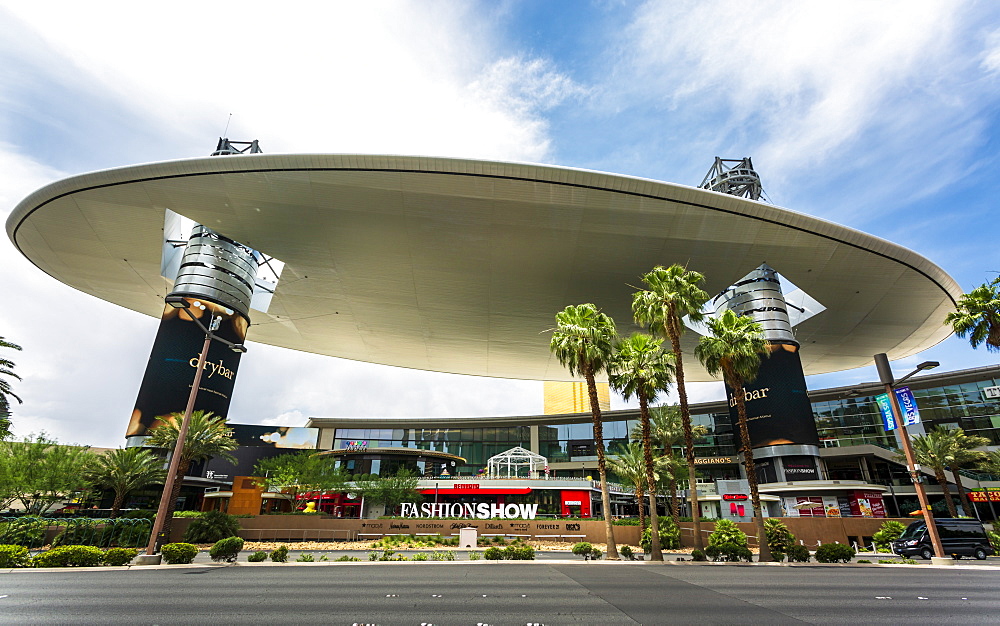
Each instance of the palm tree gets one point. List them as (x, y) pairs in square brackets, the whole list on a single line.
[(640, 368), (734, 349), (667, 431), (628, 464), (6, 369), (964, 453), (583, 341), (977, 315), (673, 293), (991, 462), (124, 471), (934, 450), (207, 437)]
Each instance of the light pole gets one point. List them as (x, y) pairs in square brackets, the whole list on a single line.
[(885, 376), (182, 303)]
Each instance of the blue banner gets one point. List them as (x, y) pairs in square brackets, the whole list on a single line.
[(888, 419), (908, 406)]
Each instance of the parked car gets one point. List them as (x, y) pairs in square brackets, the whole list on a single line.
[(959, 537)]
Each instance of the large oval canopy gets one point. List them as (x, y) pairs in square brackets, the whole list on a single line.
[(460, 266)]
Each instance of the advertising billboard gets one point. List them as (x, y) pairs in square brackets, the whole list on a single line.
[(777, 403), (174, 358)]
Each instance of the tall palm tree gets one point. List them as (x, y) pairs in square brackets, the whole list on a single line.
[(583, 341), (673, 293), (934, 450), (207, 437), (124, 471), (6, 369), (977, 315), (640, 368), (734, 349), (667, 432), (629, 465), (964, 453)]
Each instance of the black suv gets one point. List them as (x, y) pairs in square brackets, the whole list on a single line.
[(959, 537)]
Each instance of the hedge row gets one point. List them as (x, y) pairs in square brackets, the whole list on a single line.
[(66, 556)]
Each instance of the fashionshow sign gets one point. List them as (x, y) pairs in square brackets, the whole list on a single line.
[(480, 510)]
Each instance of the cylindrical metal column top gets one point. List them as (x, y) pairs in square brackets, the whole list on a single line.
[(758, 296), (217, 269)]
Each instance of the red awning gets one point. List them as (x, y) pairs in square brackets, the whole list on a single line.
[(473, 492)]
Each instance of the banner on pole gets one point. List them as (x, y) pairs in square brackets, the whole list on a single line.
[(888, 419), (908, 406)]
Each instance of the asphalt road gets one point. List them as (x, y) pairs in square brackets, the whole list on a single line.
[(503, 593)]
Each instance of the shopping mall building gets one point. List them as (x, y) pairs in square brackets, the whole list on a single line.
[(459, 266)]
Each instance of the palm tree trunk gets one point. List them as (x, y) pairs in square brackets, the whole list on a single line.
[(655, 550), (943, 481), (675, 344), (595, 411), (182, 470), (764, 551), (119, 498), (675, 509), (639, 494), (963, 498)]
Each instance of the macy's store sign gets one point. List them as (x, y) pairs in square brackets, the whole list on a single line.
[(480, 510)]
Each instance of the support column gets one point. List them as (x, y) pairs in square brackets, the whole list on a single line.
[(216, 277)]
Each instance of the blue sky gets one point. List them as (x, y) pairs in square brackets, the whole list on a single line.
[(880, 116)]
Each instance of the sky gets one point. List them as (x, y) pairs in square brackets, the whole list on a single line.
[(884, 117)]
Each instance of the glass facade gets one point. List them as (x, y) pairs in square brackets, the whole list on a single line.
[(845, 421), (475, 445)]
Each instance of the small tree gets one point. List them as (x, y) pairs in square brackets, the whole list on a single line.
[(977, 315), (779, 538), (301, 474), (39, 472), (889, 531)]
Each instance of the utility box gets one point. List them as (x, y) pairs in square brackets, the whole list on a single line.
[(468, 537)]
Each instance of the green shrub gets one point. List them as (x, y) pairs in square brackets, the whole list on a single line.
[(13, 556), (727, 533), (345, 557), (210, 527), (626, 551), (834, 553), (887, 532), (280, 554), (187, 514), (893, 562), (777, 557), (583, 548), (443, 555), (227, 549), (779, 538), (729, 552), (179, 553), (120, 556), (994, 539), (864, 561), (305, 557), (698, 555), (26, 531), (373, 556), (419, 556), (69, 556), (493, 553), (257, 557), (516, 552), (798, 554), (475, 556), (670, 535)]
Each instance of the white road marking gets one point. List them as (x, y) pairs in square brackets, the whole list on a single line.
[(883, 597)]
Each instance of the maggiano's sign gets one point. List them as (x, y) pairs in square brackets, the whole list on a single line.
[(480, 510)]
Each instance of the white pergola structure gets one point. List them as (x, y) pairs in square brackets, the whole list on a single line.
[(512, 461)]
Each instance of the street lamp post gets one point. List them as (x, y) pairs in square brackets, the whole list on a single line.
[(885, 376), (168, 486)]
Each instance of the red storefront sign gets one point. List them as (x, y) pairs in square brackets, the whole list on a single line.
[(568, 506), (980, 496)]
